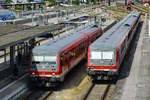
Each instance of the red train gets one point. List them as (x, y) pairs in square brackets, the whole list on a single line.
[(106, 54), (50, 62)]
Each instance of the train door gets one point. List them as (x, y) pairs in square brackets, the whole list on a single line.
[(69, 58), (68, 62), (65, 61), (118, 57), (62, 63)]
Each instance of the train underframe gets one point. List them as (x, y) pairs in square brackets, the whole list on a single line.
[(45, 81), (103, 75)]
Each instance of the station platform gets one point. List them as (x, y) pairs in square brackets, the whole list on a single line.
[(136, 84)]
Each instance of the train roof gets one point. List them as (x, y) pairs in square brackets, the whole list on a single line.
[(54, 45), (110, 39)]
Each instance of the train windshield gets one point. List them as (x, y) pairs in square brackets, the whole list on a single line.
[(101, 58), (44, 62)]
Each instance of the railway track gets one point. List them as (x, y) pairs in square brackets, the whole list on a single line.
[(10, 29), (43, 96), (99, 92), (142, 10), (46, 95), (37, 95)]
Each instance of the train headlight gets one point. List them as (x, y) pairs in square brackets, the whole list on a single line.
[(53, 73), (33, 73)]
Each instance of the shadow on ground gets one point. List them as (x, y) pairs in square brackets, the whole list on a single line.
[(128, 60)]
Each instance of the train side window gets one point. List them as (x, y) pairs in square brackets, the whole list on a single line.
[(123, 46), (129, 35), (66, 57), (117, 55), (61, 61), (77, 50), (70, 56)]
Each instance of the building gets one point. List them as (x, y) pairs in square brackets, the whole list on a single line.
[(19, 1), (2, 1)]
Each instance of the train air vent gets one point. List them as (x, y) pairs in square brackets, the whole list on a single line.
[(127, 24), (107, 38), (95, 25)]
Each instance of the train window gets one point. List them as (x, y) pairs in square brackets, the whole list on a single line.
[(129, 34), (123, 46), (66, 57), (73, 53), (61, 61), (82, 46), (117, 55), (70, 56), (78, 51)]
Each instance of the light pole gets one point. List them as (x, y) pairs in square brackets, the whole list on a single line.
[(32, 14)]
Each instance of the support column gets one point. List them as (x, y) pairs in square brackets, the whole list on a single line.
[(12, 52), (27, 48), (125, 3), (5, 56), (15, 6), (34, 6), (24, 47), (21, 49), (23, 7), (26, 52), (32, 42)]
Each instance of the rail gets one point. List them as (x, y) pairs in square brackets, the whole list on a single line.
[(104, 91)]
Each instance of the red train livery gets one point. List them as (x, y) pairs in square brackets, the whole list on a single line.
[(50, 62), (106, 54)]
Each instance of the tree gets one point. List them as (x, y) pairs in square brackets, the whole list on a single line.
[(87, 1), (77, 2), (30, 0), (8, 1), (94, 1)]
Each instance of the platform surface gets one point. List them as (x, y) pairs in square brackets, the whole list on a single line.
[(136, 86)]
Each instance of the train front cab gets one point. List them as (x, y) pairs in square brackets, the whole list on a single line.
[(102, 63), (44, 69), (52, 68)]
